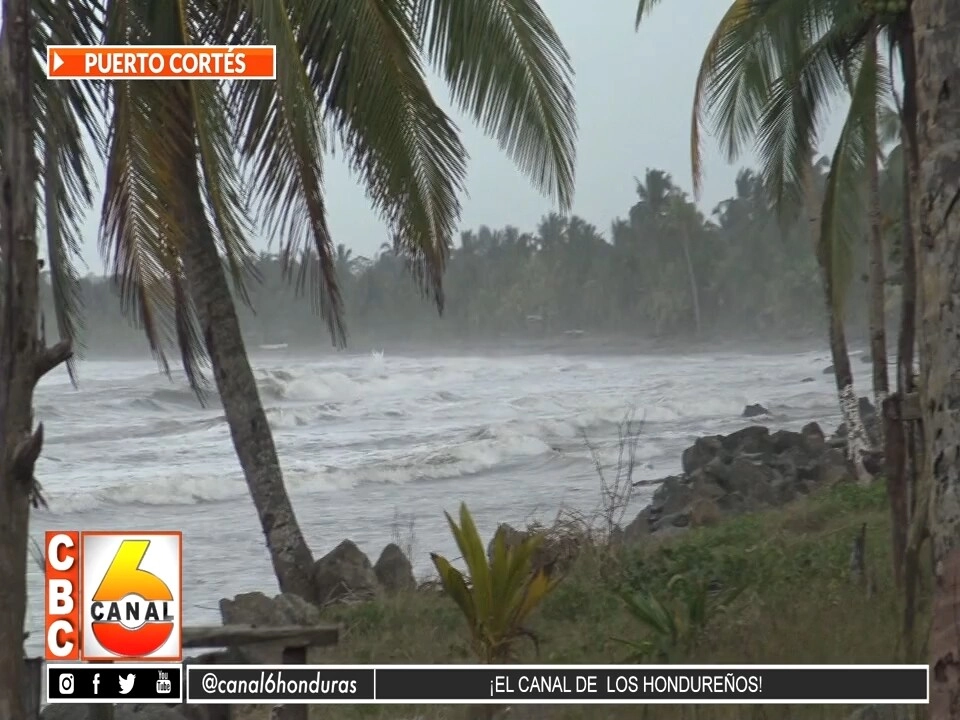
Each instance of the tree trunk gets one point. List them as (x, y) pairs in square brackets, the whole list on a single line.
[(917, 493), (937, 27), (22, 359), (899, 435), (691, 275), (252, 438), (858, 443), (878, 275)]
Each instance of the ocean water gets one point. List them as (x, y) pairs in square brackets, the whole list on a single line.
[(370, 443)]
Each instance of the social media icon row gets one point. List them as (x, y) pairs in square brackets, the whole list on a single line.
[(67, 683)]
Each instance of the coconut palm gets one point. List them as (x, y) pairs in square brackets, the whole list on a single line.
[(178, 213), (766, 78)]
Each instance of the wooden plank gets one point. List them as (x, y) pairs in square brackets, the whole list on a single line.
[(215, 636), (32, 686)]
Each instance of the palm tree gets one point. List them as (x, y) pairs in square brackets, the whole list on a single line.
[(765, 77), (58, 171), (938, 60), (176, 215)]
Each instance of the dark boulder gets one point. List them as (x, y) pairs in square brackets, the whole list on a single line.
[(394, 571), (344, 572), (744, 471), (755, 410)]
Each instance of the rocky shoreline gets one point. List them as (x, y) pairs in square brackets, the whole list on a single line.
[(748, 470), (745, 471)]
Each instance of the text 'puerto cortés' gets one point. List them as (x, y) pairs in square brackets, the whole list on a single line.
[(161, 62)]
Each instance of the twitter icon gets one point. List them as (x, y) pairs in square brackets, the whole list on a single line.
[(126, 683)]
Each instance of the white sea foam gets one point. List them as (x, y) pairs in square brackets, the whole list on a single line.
[(363, 436)]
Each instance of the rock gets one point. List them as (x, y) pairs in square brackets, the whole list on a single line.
[(753, 439), (744, 471), (672, 495), (753, 480), (511, 537), (833, 467), (704, 512), (807, 379), (554, 552), (866, 358), (394, 571), (813, 434), (702, 451), (829, 370), (344, 572), (755, 410), (639, 528), (255, 608)]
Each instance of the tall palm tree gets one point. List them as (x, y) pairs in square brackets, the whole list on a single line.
[(766, 76), (938, 63), (177, 214)]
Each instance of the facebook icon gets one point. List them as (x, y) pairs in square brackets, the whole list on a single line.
[(96, 683)]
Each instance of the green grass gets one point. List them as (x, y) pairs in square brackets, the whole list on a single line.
[(798, 605)]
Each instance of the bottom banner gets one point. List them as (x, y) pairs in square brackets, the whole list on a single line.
[(555, 684)]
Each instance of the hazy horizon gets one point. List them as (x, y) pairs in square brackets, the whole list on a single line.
[(634, 97)]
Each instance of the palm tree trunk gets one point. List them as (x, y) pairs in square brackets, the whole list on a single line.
[(252, 438), (858, 443), (878, 278), (898, 433), (692, 277), (938, 101), (23, 360), (906, 471)]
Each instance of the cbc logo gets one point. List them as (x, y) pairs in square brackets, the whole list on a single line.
[(65, 682)]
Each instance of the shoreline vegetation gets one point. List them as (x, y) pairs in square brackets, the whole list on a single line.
[(563, 283), (786, 561)]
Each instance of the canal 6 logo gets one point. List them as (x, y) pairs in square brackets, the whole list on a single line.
[(132, 596)]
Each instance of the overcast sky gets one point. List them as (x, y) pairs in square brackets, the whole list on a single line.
[(634, 93)]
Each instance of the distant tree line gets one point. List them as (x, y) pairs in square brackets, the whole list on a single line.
[(663, 270)]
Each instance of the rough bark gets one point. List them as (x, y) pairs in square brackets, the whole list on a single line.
[(858, 443), (252, 437), (937, 28), (22, 358), (900, 434), (878, 275)]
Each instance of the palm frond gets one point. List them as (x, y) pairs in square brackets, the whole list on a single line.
[(644, 8), (142, 228), (364, 64), (507, 68), (814, 68), (213, 125), (844, 208), (68, 110), (62, 223), (281, 139), (730, 86), (888, 130)]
